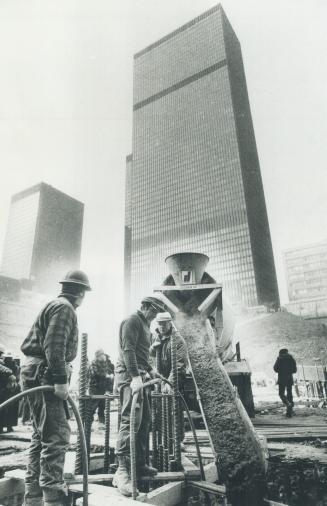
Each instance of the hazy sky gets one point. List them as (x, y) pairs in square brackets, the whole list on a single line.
[(66, 116)]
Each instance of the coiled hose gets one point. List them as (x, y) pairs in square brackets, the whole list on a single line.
[(49, 388), (133, 433)]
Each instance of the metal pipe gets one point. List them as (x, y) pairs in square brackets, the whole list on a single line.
[(164, 422), (106, 458), (49, 388), (188, 414), (154, 402), (81, 403)]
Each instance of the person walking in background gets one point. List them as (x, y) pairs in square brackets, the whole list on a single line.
[(10, 413), (285, 366), (101, 376), (8, 388), (49, 349)]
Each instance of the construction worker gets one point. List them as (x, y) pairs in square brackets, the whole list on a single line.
[(49, 348), (285, 366), (161, 344), (131, 369), (8, 388), (101, 375), (10, 413)]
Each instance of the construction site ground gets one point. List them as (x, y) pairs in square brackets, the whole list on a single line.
[(297, 471)]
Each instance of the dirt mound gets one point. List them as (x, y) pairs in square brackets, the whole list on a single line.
[(261, 339)]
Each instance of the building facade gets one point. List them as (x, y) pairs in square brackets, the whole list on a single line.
[(306, 277), (193, 179), (44, 237)]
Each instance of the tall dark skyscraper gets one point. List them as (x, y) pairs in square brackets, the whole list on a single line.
[(44, 237), (193, 179)]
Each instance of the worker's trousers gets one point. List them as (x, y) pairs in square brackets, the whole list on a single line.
[(288, 398), (142, 420), (50, 438)]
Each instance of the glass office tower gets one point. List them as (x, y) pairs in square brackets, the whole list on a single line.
[(193, 179)]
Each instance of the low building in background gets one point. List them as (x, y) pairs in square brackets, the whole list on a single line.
[(306, 275)]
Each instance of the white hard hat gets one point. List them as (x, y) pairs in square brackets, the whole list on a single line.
[(164, 317)]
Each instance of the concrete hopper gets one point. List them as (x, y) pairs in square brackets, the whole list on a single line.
[(187, 268)]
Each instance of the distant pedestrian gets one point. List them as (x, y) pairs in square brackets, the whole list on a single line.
[(285, 366), (101, 378), (8, 387)]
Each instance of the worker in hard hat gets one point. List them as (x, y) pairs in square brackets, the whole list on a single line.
[(285, 366), (132, 367), (49, 349), (161, 347)]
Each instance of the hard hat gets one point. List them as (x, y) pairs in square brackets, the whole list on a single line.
[(155, 302), (77, 277), (283, 348), (164, 317)]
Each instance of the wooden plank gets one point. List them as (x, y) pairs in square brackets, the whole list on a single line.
[(170, 494), (100, 494), (107, 478), (274, 503), (210, 472), (209, 487), (191, 471)]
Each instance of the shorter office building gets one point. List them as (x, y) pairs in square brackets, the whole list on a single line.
[(44, 237), (306, 275)]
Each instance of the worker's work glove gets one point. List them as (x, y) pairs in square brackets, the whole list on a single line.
[(166, 389), (154, 374), (61, 391), (156, 343), (136, 384)]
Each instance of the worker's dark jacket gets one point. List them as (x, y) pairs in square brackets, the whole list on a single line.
[(54, 338), (134, 344), (5, 372), (165, 353), (99, 370), (285, 366)]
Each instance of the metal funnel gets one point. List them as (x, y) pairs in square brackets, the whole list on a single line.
[(187, 268)]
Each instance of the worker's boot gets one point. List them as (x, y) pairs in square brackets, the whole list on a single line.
[(53, 497), (146, 470), (33, 494), (122, 478), (289, 410)]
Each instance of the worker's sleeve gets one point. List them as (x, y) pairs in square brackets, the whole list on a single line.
[(60, 326), (110, 367), (155, 342), (129, 339), (5, 371), (276, 366), (181, 352), (294, 368)]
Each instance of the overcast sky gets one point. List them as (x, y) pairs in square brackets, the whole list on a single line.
[(66, 116)]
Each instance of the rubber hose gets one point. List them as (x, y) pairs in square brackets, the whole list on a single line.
[(132, 436), (49, 388)]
